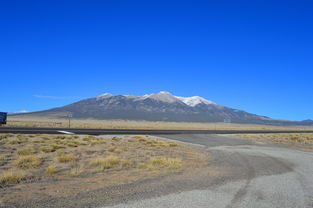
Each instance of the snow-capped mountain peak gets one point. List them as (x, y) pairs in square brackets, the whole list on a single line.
[(105, 95), (165, 96), (194, 100), (162, 96)]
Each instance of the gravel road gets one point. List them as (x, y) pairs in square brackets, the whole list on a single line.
[(257, 175)]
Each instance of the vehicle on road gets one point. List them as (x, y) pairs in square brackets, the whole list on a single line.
[(3, 118)]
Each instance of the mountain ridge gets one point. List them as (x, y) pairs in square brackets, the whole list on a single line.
[(162, 106)]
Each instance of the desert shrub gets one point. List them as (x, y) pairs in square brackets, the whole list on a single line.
[(125, 163), (118, 151), (89, 138), (173, 144), (116, 139), (51, 170), (111, 149), (12, 177), (138, 137), (26, 151), (60, 137), (13, 141), (164, 162), (72, 144), (22, 138), (60, 152), (106, 162), (66, 158), (294, 138), (162, 144), (82, 142), (37, 140), (3, 158), (57, 146), (76, 171), (4, 136), (28, 161), (47, 149)]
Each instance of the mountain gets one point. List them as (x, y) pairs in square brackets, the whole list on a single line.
[(161, 106), (307, 122)]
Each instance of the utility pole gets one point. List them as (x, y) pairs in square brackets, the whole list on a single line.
[(69, 115)]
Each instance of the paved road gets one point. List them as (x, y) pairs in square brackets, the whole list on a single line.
[(18, 130), (258, 176)]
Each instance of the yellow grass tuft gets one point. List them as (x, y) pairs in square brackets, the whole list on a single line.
[(13, 141), (173, 144), (116, 139), (3, 158), (51, 170), (125, 163), (164, 162), (76, 171), (118, 151), (66, 158), (47, 149), (106, 162), (4, 136), (72, 144), (111, 149), (26, 151), (28, 161), (12, 177)]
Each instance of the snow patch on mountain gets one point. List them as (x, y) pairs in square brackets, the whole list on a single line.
[(167, 97), (162, 96), (103, 96), (194, 100)]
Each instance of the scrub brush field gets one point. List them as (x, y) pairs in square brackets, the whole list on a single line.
[(39, 167), (302, 141)]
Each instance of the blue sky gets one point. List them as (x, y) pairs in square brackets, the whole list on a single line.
[(251, 55)]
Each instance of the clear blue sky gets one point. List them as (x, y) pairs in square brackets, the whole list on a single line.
[(251, 55)]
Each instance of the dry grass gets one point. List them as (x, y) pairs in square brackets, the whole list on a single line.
[(111, 149), (125, 163), (67, 158), (47, 149), (300, 140), (28, 161), (164, 162), (4, 136), (13, 141), (51, 170), (76, 171), (116, 139), (26, 151), (22, 121), (106, 162), (3, 158), (12, 177), (118, 151), (49, 160)]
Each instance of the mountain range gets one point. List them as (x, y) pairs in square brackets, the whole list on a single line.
[(162, 106)]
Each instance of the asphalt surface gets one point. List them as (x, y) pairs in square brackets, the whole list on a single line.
[(19, 130), (256, 176)]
